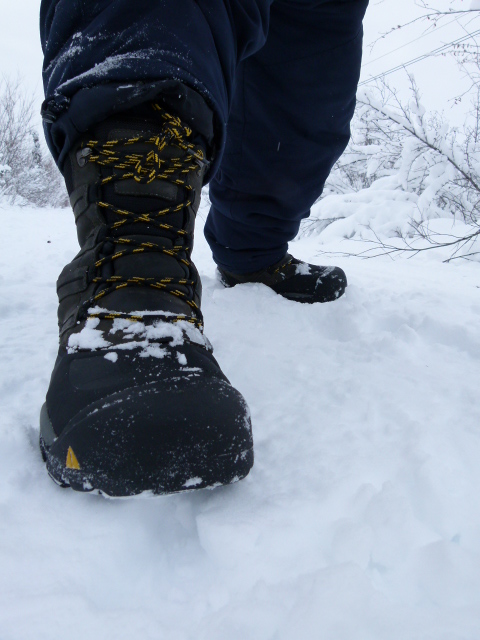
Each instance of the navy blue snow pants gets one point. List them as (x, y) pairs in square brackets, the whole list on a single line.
[(280, 76)]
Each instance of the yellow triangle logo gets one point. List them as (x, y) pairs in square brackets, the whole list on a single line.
[(72, 462)]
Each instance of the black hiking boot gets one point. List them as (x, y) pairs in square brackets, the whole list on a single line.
[(137, 402), (295, 280)]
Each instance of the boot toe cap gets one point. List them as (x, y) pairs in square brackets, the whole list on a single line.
[(174, 431)]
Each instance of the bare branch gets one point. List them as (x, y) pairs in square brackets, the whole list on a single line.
[(28, 175)]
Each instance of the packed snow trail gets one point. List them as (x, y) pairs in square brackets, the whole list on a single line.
[(360, 519)]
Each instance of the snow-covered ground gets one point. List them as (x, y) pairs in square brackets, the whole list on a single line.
[(360, 519)]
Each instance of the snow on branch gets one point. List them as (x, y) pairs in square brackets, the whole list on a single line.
[(28, 175), (399, 148)]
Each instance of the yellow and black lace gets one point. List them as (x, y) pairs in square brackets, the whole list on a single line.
[(145, 168)]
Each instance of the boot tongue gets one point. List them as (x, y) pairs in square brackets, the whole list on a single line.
[(131, 195), (156, 200)]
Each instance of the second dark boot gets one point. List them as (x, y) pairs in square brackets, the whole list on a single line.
[(295, 280)]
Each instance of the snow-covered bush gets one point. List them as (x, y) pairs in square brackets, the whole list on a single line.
[(27, 174), (397, 146), (430, 170)]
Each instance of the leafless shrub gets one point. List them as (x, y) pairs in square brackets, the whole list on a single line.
[(421, 154), (397, 141), (28, 175)]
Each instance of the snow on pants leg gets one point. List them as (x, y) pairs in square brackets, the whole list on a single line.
[(102, 56), (289, 123), (288, 104)]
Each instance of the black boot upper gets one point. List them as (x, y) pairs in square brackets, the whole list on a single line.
[(134, 186)]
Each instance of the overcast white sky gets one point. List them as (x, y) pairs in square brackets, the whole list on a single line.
[(438, 77)]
